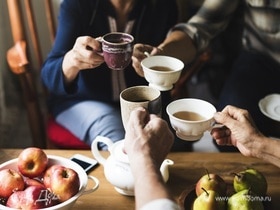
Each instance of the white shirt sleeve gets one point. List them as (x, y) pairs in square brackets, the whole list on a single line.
[(164, 204)]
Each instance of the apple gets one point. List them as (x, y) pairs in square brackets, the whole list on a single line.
[(10, 181), (33, 197), (32, 182), (14, 200), (211, 182), (32, 162), (64, 183), (208, 200), (47, 175)]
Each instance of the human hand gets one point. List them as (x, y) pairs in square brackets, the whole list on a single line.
[(85, 54), (147, 136), (139, 51), (240, 130)]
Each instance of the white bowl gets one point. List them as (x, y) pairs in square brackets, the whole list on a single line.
[(12, 164), (162, 80)]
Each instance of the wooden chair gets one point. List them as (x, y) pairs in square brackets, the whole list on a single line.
[(45, 132)]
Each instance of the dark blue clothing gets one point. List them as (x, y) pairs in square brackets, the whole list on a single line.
[(254, 76), (90, 17)]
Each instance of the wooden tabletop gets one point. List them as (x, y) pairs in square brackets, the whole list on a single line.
[(187, 169)]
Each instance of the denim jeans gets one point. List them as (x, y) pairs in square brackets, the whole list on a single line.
[(89, 119)]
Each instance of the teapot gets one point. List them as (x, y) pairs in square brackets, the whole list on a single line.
[(117, 168)]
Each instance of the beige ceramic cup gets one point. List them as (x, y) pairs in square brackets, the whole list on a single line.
[(162, 72), (191, 117), (139, 96)]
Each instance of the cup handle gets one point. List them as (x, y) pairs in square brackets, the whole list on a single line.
[(215, 125), (94, 188), (95, 151)]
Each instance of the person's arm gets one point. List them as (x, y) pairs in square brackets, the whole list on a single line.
[(83, 55), (147, 142), (186, 40), (69, 53), (267, 149), (242, 132)]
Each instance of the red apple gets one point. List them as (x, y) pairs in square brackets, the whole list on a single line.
[(14, 200), (10, 181), (32, 182), (211, 182), (47, 175), (32, 162), (33, 197), (64, 183)]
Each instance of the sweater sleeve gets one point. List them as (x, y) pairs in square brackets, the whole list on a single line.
[(212, 18), (69, 24), (161, 204)]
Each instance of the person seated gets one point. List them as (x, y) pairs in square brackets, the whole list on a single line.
[(83, 91), (255, 72)]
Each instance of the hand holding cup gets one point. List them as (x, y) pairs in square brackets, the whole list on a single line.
[(191, 117)]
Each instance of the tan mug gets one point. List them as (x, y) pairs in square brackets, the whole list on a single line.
[(139, 96)]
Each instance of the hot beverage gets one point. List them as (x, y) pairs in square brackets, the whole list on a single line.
[(161, 68), (139, 96), (162, 71), (190, 116), (117, 50)]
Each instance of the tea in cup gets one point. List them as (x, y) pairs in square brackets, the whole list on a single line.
[(162, 71), (139, 96), (191, 117), (117, 49)]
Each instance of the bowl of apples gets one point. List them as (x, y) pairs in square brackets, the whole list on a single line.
[(35, 180)]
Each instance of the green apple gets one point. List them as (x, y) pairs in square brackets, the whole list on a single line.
[(211, 182), (244, 200), (209, 200), (250, 179)]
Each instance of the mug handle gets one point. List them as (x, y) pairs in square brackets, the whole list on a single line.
[(95, 151), (94, 188)]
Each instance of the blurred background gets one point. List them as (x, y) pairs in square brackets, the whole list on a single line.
[(14, 128)]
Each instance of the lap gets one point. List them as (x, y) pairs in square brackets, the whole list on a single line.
[(81, 116)]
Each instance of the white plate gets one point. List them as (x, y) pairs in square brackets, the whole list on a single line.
[(270, 106)]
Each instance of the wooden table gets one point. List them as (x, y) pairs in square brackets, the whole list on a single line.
[(188, 168)]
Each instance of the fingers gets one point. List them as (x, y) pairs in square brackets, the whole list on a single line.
[(86, 53), (222, 135), (139, 54), (136, 64), (139, 117)]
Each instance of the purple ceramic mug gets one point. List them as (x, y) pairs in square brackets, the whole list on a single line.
[(117, 49)]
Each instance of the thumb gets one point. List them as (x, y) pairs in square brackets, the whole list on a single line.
[(223, 118)]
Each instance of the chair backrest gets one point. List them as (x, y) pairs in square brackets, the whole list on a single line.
[(19, 60)]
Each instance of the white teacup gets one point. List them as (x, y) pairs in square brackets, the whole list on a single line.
[(162, 71), (191, 117)]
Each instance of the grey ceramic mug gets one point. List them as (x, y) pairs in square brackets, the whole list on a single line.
[(139, 96)]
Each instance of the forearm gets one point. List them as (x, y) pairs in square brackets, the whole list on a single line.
[(178, 44), (269, 150), (149, 184), (70, 71)]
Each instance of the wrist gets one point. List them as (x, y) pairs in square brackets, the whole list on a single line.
[(259, 146)]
